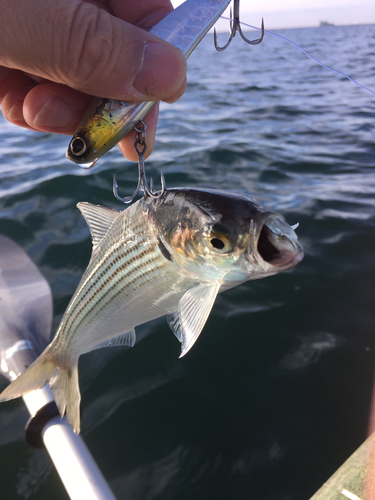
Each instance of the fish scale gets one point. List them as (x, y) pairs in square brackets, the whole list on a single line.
[(169, 255)]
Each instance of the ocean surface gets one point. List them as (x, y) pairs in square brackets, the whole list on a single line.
[(277, 391)]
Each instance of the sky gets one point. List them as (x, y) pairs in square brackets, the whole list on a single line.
[(299, 14)]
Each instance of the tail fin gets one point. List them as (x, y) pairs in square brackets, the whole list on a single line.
[(63, 382)]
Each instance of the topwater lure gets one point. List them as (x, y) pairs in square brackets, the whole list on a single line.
[(107, 121)]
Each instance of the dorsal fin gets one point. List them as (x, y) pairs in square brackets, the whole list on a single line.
[(99, 219)]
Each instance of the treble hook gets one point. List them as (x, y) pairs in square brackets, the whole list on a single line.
[(142, 180), (235, 26), (128, 199)]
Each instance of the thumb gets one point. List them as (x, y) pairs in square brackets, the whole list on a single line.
[(76, 44)]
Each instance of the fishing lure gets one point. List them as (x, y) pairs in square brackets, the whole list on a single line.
[(107, 121)]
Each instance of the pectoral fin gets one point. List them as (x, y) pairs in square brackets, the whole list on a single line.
[(193, 310)]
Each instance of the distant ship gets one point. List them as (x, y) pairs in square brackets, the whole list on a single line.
[(325, 23)]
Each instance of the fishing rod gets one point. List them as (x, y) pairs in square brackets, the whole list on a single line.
[(25, 330)]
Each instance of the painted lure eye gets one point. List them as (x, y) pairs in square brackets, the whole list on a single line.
[(78, 146)]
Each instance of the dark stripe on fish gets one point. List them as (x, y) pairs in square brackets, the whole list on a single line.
[(142, 265), (164, 250)]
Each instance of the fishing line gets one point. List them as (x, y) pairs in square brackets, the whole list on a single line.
[(307, 54)]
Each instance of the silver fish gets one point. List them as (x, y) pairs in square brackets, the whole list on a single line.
[(161, 256)]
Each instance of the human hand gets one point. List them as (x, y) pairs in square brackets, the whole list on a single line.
[(55, 55)]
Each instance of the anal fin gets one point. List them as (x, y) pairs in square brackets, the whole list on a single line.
[(127, 338)]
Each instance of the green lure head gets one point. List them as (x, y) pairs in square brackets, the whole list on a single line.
[(104, 124)]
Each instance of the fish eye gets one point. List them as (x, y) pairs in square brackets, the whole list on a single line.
[(217, 243), (220, 243)]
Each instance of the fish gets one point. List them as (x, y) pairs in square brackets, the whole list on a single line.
[(107, 121), (170, 256)]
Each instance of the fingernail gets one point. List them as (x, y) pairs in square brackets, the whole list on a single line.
[(162, 71), (54, 113), (16, 113)]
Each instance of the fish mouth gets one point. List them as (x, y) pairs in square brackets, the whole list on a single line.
[(278, 244)]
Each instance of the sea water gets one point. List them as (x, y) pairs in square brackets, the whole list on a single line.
[(276, 393)]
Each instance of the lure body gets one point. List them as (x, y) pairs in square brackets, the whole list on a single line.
[(107, 121)]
